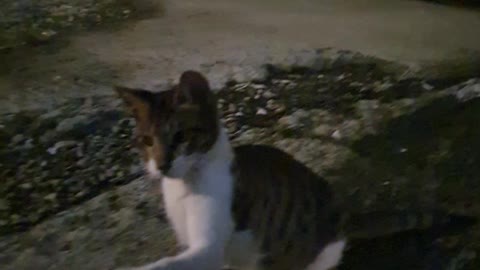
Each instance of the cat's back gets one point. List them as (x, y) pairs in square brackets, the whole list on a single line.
[(287, 207)]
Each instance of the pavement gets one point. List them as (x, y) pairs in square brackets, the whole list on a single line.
[(232, 39)]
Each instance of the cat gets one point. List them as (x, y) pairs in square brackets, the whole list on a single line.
[(252, 207)]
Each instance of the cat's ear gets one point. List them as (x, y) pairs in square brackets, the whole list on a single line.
[(192, 88), (137, 101)]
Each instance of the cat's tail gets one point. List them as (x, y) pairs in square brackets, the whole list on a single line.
[(383, 223)]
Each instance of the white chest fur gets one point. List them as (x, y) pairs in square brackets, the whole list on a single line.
[(198, 195)]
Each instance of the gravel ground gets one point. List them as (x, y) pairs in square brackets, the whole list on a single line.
[(36, 22), (71, 197)]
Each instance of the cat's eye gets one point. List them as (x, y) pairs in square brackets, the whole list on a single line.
[(146, 140)]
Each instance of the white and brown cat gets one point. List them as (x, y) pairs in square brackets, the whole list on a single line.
[(249, 207)]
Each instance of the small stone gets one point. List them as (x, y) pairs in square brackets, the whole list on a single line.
[(268, 94), (356, 84), (280, 109), (28, 144), (17, 139), (290, 122), (232, 108), (70, 123), (300, 114), (229, 119), (241, 87), (116, 129), (59, 145), (261, 111), (81, 162), (284, 82), (426, 86), (26, 186), (381, 86), (51, 114), (258, 86), (340, 77), (79, 194), (50, 197), (351, 129), (271, 105), (232, 127), (322, 130), (337, 135), (469, 91)]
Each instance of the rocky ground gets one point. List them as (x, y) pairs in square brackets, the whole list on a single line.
[(36, 22), (71, 196)]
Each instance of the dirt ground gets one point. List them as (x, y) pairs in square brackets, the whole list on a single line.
[(388, 115), (233, 39)]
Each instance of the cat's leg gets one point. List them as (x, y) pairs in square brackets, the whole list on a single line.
[(329, 257), (209, 227)]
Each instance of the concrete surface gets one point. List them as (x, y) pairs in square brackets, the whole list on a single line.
[(232, 39)]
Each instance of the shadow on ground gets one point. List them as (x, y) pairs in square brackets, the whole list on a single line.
[(426, 159)]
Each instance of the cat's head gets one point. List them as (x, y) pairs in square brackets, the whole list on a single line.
[(180, 121)]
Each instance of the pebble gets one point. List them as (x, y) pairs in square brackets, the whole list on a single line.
[(322, 130), (470, 90), (356, 84), (241, 87), (382, 86), (340, 77), (289, 122), (268, 94), (271, 105), (51, 197), (26, 186), (280, 109), (281, 81), (261, 111), (17, 139), (427, 86), (258, 86), (70, 123), (59, 145), (337, 135), (232, 108)]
